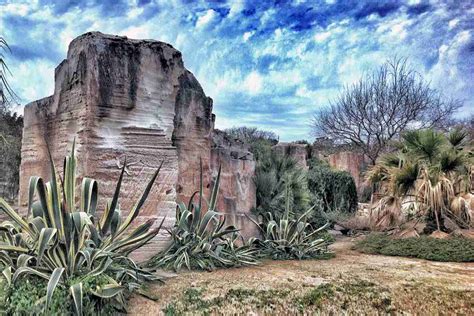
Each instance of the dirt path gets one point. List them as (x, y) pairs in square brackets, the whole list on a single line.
[(351, 283)]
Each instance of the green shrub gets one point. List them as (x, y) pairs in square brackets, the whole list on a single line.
[(332, 190), (11, 126), (65, 245), (273, 174), (200, 240), (455, 249)]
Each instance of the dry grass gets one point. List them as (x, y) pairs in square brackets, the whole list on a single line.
[(351, 283)]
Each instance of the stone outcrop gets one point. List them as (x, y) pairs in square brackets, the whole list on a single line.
[(120, 98), (299, 152), (351, 162), (237, 192)]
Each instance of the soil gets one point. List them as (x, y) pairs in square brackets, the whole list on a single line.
[(349, 283)]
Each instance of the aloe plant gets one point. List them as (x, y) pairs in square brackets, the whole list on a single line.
[(287, 237), (200, 239), (66, 245)]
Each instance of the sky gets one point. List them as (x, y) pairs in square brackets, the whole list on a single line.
[(269, 64)]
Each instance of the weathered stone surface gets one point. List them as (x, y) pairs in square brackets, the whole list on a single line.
[(351, 162), (121, 97), (237, 188), (299, 152)]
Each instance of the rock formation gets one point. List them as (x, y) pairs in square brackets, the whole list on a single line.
[(352, 162), (299, 152), (121, 97)]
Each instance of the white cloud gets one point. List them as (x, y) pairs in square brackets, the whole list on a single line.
[(321, 37), (247, 35), (452, 24), (206, 18), (254, 82)]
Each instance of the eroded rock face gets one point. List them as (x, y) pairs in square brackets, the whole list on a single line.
[(299, 152), (121, 97), (351, 162), (237, 190)]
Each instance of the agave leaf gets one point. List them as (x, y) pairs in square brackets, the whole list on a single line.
[(28, 270), (46, 235), (136, 209), (54, 198), (5, 258), (107, 291), (115, 224), (200, 184), (23, 260), (77, 293), (52, 283), (37, 185), (89, 196), (7, 273), (109, 212), (105, 263), (13, 248), (215, 190), (69, 170), (37, 224), (14, 216)]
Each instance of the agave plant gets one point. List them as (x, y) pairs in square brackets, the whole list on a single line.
[(65, 244), (428, 173), (287, 237), (200, 239)]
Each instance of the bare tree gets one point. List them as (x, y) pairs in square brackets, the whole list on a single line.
[(375, 110), (249, 134)]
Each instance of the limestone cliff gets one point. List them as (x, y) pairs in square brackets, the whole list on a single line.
[(121, 97)]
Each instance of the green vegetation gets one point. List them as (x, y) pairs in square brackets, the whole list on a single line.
[(291, 238), (316, 295), (11, 126), (65, 246), (273, 175), (200, 240), (430, 175), (274, 172), (29, 294), (340, 297), (194, 302), (333, 191), (456, 249)]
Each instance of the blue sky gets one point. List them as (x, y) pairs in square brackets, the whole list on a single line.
[(269, 64)]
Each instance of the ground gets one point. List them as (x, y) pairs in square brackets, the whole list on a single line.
[(350, 282)]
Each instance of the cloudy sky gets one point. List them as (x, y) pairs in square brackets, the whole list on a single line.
[(269, 64)]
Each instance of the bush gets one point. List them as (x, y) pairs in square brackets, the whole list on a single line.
[(65, 246), (455, 249), (273, 175), (201, 241), (11, 127), (334, 191)]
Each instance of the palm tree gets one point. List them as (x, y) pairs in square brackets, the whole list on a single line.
[(431, 174), (7, 95)]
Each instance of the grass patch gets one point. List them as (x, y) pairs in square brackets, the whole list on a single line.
[(454, 249), (315, 296), (193, 300)]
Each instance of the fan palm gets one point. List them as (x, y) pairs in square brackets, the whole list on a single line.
[(428, 172)]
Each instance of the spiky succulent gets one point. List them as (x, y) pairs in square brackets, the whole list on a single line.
[(200, 239), (289, 237), (66, 245)]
